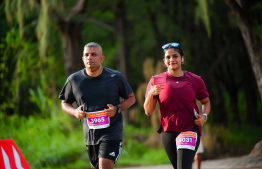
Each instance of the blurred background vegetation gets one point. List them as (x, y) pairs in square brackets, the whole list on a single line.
[(41, 44)]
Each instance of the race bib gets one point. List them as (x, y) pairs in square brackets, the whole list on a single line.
[(186, 140), (97, 120)]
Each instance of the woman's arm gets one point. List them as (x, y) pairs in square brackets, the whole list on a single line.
[(207, 107), (150, 102)]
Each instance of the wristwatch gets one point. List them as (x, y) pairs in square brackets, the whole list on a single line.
[(204, 114), (118, 109)]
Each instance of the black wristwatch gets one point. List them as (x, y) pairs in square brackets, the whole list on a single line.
[(118, 109)]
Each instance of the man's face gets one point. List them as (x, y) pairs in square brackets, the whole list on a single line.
[(93, 58)]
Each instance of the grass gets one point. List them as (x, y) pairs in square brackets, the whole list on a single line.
[(58, 142), (243, 136), (44, 141)]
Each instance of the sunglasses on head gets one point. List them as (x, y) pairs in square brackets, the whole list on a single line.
[(174, 44)]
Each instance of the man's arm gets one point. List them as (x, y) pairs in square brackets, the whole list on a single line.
[(69, 109), (128, 102), (111, 111)]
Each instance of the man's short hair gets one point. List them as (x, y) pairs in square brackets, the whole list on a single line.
[(93, 44)]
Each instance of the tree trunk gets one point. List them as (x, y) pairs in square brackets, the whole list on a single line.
[(219, 117), (120, 27), (72, 47), (251, 40), (71, 29), (158, 34)]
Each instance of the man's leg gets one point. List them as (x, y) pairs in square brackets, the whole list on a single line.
[(109, 153), (93, 155), (105, 163)]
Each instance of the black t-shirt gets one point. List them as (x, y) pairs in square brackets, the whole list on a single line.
[(96, 93)]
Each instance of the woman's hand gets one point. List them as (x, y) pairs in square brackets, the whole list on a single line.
[(154, 89), (200, 120)]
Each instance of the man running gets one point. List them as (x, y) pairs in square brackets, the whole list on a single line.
[(99, 89)]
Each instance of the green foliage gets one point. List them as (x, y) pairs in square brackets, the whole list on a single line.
[(22, 69), (202, 13), (32, 72), (42, 140), (148, 25), (242, 136), (242, 107), (42, 102), (58, 141), (15, 64)]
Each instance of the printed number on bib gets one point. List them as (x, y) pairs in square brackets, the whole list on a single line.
[(186, 140), (97, 120)]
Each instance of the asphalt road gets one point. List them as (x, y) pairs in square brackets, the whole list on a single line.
[(244, 162)]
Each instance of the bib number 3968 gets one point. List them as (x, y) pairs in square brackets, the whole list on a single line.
[(97, 120), (186, 140)]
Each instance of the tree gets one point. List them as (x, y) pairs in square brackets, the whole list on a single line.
[(121, 43), (68, 18), (241, 8), (71, 29)]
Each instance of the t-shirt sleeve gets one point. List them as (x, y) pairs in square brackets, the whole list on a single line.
[(67, 94), (202, 92), (124, 89)]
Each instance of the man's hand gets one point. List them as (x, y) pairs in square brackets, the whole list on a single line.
[(200, 120), (111, 111), (79, 113)]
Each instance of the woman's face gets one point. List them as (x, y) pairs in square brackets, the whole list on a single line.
[(173, 59)]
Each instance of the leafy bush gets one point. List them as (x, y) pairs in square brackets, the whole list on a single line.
[(44, 142), (58, 141)]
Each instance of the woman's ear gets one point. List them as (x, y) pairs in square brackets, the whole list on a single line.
[(164, 62)]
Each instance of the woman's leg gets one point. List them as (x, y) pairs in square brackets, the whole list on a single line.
[(168, 140), (185, 157)]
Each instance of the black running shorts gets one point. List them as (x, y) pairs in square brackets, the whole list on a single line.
[(109, 149)]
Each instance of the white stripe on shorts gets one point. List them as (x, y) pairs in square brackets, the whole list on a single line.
[(120, 151)]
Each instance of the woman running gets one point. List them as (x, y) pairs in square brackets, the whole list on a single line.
[(176, 91)]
